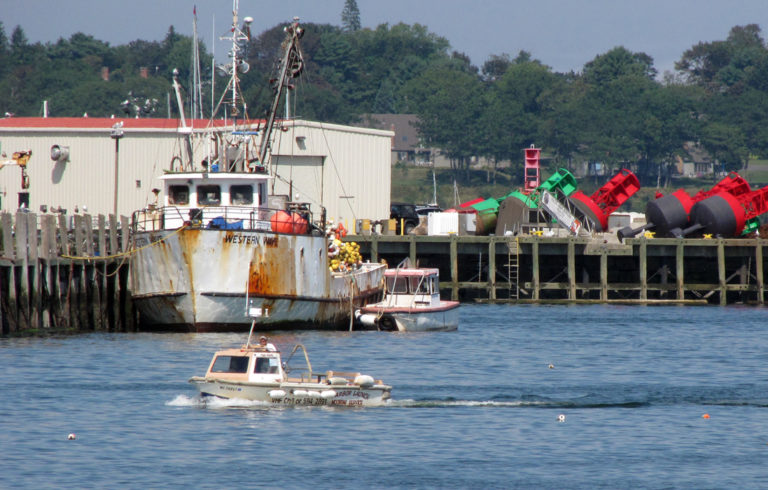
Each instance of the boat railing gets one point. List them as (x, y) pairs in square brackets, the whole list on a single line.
[(245, 218), (308, 369)]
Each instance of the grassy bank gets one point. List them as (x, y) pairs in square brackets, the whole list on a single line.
[(415, 185)]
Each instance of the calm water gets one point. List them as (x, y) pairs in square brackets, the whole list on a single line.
[(475, 408)]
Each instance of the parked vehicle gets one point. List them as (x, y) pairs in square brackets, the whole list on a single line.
[(404, 215), (425, 209)]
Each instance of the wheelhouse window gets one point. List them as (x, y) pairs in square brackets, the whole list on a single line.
[(265, 365), (241, 195), (397, 285), (208, 195), (419, 285), (230, 364), (178, 194)]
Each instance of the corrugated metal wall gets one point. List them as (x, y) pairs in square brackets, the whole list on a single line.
[(87, 179), (330, 161), (356, 172)]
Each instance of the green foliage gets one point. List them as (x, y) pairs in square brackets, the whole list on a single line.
[(350, 16), (615, 111), (446, 97)]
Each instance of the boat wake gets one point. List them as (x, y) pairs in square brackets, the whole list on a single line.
[(215, 402), (509, 404), (586, 402)]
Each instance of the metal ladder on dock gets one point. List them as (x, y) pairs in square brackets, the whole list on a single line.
[(513, 268)]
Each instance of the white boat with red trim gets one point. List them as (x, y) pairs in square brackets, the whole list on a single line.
[(411, 304)]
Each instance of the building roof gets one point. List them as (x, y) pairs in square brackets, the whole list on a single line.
[(100, 123), (404, 126)]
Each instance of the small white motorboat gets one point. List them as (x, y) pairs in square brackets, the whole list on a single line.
[(411, 303), (257, 373)]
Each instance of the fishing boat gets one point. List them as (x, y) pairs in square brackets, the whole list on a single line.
[(219, 236), (411, 303), (258, 373)]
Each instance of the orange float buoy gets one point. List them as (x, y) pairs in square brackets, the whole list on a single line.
[(281, 222), (299, 224), (705, 416)]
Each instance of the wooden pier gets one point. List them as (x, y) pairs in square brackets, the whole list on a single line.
[(60, 272), (542, 269)]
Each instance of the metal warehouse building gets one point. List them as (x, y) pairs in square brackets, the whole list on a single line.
[(345, 169)]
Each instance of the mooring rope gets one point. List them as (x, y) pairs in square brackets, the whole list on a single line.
[(128, 252)]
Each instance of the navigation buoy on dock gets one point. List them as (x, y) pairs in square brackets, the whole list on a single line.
[(672, 211), (607, 199)]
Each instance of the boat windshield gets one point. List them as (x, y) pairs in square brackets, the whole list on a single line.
[(265, 365), (409, 284), (419, 285), (397, 285), (230, 364)]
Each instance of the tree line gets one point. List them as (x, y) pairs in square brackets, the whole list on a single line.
[(616, 111)]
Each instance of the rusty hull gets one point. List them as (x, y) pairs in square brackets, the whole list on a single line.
[(197, 280)]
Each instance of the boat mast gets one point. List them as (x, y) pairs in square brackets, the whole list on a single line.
[(240, 36), (197, 95), (291, 65)]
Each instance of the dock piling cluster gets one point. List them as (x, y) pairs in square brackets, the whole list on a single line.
[(60, 272)]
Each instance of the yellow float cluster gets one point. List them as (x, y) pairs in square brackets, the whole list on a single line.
[(348, 256)]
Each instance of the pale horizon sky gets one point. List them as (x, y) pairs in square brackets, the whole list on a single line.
[(561, 34)]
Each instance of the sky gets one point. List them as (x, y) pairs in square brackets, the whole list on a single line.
[(563, 34)]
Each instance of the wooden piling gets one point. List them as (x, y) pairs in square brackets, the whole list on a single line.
[(492, 269), (759, 271), (535, 270), (571, 269), (454, 268), (56, 277), (721, 272), (643, 268)]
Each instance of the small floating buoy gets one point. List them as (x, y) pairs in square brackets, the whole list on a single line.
[(705, 416), (551, 366), (561, 418), (71, 437)]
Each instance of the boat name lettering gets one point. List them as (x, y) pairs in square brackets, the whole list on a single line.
[(302, 401), (249, 239), (353, 393), (347, 403)]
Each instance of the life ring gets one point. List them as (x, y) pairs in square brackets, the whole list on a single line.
[(333, 249)]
